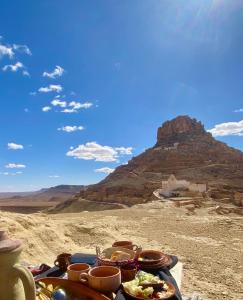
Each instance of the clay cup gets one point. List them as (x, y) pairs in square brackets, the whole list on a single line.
[(75, 270), (105, 279)]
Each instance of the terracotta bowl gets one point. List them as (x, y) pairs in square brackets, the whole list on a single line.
[(76, 288), (150, 257)]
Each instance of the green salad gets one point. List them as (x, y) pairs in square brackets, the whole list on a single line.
[(136, 287)]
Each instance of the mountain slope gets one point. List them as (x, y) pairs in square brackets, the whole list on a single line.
[(183, 148)]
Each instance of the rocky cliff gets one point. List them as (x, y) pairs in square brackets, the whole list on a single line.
[(183, 148)]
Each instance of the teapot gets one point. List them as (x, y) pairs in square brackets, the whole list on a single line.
[(16, 282)]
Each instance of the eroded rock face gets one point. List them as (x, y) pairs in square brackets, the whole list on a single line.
[(183, 148), (182, 125)]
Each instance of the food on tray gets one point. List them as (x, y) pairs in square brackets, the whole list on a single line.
[(120, 255), (148, 286)]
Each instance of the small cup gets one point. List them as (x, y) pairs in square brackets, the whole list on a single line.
[(75, 270), (105, 279), (62, 261), (125, 244)]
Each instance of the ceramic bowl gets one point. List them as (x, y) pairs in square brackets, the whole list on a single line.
[(150, 257)]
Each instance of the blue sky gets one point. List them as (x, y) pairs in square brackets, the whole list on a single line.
[(84, 85)]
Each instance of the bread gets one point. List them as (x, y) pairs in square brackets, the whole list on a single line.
[(120, 255)]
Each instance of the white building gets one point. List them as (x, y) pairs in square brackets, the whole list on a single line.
[(172, 184)]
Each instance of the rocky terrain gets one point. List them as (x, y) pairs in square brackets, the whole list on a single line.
[(183, 148)]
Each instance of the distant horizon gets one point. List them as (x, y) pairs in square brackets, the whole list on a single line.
[(83, 90)]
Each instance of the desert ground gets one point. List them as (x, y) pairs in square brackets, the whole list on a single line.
[(210, 246)]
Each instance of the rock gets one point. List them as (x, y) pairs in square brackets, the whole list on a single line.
[(183, 148), (182, 126)]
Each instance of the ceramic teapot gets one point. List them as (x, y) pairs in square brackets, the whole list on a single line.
[(16, 282)]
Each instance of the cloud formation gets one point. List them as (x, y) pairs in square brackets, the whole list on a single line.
[(9, 50), (105, 170), (228, 128), (75, 106), (57, 72), (6, 51), (46, 108), (15, 166), (70, 107), (53, 176), (97, 152), (22, 49), (11, 174), (70, 128), (57, 102), (13, 68), (14, 146), (51, 88)]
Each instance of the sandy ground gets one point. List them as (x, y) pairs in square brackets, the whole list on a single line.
[(210, 246)]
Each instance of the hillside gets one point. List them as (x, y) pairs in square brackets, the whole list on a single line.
[(183, 148), (30, 202)]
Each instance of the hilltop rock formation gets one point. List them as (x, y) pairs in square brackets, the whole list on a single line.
[(183, 148)]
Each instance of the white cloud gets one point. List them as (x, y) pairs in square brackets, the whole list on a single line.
[(11, 174), (105, 170), (14, 146), (70, 128), (13, 68), (6, 50), (57, 102), (22, 48), (78, 105), (32, 93), (57, 72), (51, 88), (238, 110), (9, 50), (124, 151), (53, 176), (46, 108), (15, 166), (228, 128), (94, 151), (26, 73), (75, 106)]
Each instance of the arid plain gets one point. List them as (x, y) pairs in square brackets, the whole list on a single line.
[(210, 246)]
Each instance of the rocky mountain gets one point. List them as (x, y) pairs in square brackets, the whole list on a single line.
[(183, 148)]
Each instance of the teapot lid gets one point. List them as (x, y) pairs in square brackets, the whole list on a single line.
[(6, 244)]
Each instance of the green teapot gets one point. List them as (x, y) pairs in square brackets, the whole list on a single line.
[(16, 282)]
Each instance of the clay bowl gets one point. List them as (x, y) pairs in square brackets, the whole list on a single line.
[(150, 257), (165, 262), (77, 289)]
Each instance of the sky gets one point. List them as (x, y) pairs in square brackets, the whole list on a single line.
[(84, 85)]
